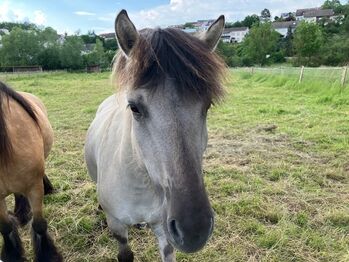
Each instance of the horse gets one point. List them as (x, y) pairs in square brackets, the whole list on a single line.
[(145, 146), (26, 138)]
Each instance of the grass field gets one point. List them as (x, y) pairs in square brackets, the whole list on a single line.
[(276, 168)]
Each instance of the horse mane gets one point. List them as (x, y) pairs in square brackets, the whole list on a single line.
[(5, 143), (171, 53)]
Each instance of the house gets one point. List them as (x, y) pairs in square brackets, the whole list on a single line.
[(198, 26), (234, 34), (203, 25), (283, 27), (61, 39), (300, 12), (314, 14)]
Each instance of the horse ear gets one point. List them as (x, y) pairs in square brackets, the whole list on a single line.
[(213, 34), (125, 31)]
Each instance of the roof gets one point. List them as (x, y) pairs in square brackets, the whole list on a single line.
[(300, 12), (107, 35), (279, 25), (319, 13), (234, 29)]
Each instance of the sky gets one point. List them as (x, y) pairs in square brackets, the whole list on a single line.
[(71, 16)]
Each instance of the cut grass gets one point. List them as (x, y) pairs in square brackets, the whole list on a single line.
[(276, 169)]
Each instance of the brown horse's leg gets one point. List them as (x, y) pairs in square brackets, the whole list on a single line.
[(48, 187), (22, 209), (44, 247), (12, 250)]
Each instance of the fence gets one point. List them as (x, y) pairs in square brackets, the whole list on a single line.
[(338, 75)]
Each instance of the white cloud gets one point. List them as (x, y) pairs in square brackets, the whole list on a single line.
[(181, 11), (7, 13), (11, 13), (84, 13), (39, 17)]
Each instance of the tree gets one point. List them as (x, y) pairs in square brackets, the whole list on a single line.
[(71, 57), (189, 25), (110, 44), (229, 53), (289, 43), (260, 42), (50, 58), (20, 48), (333, 4), (265, 14), (250, 20), (308, 39), (336, 51), (48, 37), (25, 26), (97, 56)]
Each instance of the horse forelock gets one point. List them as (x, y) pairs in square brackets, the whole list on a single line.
[(171, 53)]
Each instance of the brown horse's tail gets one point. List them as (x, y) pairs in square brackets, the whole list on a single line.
[(5, 143)]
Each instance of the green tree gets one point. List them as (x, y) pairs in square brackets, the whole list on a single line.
[(71, 57), (48, 37), (308, 40), (265, 14), (229, 53), (260, 43), (20, 48), (333, 4), (25, 26), (50, 57), (110, 44), (189, 25), (336, 51), (250, 20), (97, 56)]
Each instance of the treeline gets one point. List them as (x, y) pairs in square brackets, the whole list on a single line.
[(28, 45), (311, 44)]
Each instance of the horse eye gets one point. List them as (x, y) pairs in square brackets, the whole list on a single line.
[(134, 109)]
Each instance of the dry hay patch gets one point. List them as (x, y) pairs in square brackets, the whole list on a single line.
[(241, 151)]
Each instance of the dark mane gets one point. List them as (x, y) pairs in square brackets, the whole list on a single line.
[(172, 53), (5, 142)]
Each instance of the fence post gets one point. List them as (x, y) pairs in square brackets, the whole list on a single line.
[(344, 75), (252, 70), (301, 75)]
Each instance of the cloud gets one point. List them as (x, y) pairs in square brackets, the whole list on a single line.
[(84, 13), (181, 11), (7, 13), (11, 13), (39, 17)]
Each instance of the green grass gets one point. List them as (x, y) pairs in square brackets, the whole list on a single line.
[(276, 169)]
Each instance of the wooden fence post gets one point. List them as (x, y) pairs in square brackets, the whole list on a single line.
[(301, 75), (344, 76), (252, 70)]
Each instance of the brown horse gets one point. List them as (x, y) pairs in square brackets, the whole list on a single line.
[(26, 137)]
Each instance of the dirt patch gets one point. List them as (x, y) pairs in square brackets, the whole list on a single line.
[(262, 142)]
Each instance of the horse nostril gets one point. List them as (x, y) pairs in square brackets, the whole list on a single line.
[(175, 232)]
